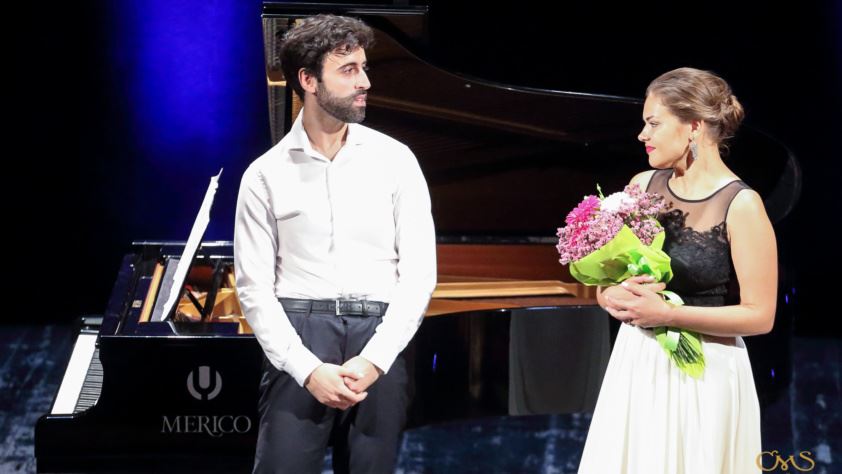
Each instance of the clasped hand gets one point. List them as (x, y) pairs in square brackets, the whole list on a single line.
[(636, 301), (342, 386)]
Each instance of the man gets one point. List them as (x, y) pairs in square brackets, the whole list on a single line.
[(335, 260)]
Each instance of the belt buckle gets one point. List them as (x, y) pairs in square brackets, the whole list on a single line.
[(350, 299), (339, 301)]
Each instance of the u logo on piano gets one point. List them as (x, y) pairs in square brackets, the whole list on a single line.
[(205, 389)]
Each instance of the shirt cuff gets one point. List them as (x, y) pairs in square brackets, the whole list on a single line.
[(301, 363), (382, 356)]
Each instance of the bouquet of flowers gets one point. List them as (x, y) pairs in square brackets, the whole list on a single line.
[(609, 239)]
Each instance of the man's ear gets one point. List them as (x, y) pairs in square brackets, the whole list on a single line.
[(307, 80)]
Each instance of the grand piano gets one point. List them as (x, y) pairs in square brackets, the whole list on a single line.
[(153, 390)]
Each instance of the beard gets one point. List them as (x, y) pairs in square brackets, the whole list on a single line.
[(340, 108)]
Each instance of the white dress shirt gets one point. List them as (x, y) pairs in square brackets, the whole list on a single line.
[(357, 226)]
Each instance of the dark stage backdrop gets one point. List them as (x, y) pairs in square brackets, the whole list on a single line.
[(122, 110)]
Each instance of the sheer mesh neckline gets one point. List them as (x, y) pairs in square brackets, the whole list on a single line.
[(669, 188)]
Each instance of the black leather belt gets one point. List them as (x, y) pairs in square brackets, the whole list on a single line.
[(337, 307)]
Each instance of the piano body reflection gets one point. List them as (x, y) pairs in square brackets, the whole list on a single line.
[(504, 335)]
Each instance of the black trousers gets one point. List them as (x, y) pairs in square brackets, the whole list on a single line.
[(295, 428)]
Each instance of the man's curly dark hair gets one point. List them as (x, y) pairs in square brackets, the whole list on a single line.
[(308, 43)]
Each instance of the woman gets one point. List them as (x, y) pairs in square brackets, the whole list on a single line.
[(651, 417)]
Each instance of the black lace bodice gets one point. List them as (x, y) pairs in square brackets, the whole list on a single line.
[(697, 242)]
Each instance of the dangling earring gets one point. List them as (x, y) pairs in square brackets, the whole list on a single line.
[(694, 149)]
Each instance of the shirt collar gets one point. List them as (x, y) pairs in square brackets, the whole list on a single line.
[(301, 141)]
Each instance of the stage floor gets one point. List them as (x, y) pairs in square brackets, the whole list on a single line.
[(806, 417)]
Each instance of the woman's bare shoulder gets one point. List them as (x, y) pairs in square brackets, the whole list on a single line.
[(642, 179)]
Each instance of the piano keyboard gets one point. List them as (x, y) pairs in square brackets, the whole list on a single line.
[(91, 386), (82, 382)]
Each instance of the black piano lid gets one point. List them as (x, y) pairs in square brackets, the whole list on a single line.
[(506, 163), (174, 248)]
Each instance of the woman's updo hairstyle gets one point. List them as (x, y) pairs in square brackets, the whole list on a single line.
[(693, 94)]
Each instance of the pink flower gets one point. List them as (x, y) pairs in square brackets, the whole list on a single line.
[(583, 212)]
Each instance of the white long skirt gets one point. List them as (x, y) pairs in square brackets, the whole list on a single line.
[(652, 418)]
